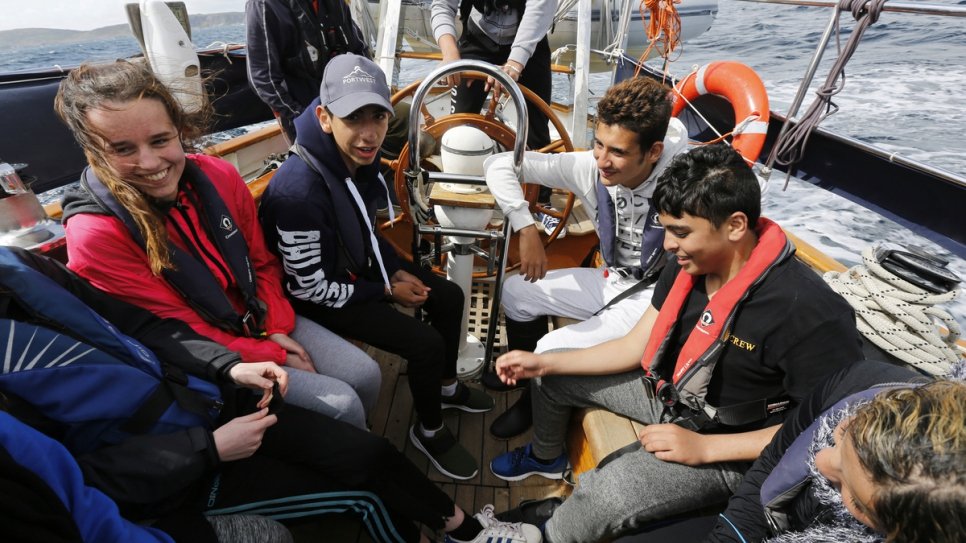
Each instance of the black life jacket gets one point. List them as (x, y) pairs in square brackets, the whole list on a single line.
[(357, 255), (191, 278), (486, 6), (327, 32), (791, 476), (653, 256)]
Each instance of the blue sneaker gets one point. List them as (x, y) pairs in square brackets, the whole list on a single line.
[(519, 464)]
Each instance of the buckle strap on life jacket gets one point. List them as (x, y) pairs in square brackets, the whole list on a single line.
[(485, 6), (739, 414)]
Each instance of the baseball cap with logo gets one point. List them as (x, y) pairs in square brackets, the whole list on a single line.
[(351, 82)]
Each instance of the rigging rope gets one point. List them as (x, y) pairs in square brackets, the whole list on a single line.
[(789, 150), (897, 316), (663, 30)]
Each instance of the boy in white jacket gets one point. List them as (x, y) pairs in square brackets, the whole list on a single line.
[(634, 140)]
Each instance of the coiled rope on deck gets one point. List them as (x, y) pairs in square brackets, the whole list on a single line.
[(898, 316)]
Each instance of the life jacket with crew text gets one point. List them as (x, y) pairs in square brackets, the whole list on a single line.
[(190, 277), (685, 395), (65, 360)]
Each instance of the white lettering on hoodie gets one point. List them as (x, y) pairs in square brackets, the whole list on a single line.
[(301, 251)]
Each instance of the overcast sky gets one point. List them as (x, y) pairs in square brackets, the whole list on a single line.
[(87, 14)]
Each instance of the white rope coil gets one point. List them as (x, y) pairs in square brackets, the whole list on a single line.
[(898, 316)]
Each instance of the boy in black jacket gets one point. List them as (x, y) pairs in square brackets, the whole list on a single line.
[(318, 215)]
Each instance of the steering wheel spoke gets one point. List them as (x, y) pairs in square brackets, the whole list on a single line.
[(498, 131)]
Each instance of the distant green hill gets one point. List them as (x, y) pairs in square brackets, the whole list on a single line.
[(36, 37)]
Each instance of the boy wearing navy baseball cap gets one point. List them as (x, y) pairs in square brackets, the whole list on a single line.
[(319, 217)]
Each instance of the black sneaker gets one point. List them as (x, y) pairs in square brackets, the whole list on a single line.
[(471, 400), (492, 382), (446, 454), (536, 512), (517, 419)]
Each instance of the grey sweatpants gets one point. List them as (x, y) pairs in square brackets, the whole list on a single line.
[(346, 385), (627, 491)]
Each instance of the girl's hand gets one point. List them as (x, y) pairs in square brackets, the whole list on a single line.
[(241, 436)]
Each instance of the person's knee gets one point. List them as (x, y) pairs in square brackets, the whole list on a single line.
[(366, 371), (546, 386), (515, 290), (348, 406), (369, 383), (555, 340), (370, 375), (427, 349)]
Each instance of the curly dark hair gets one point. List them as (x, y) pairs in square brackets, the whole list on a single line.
[(641, 105), (710, 182)]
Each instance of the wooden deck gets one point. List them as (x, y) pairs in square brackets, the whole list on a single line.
[(393, 416)]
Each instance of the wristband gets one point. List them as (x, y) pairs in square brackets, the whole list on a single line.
[(514, 68)]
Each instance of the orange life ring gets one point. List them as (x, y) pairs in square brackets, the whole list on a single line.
[(741, 86)]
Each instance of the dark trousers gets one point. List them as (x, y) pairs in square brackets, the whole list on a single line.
[(473, 44), (430, 349), (677, 529), (311, 465)]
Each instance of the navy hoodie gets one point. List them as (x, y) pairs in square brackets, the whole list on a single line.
[(312, 222)]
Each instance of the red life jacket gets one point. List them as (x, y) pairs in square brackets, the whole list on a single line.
[(695, 363)]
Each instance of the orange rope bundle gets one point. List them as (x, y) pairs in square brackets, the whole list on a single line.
[(663, 28)]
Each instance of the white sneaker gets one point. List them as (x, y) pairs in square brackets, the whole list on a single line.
[(549, 223), (504, 532)]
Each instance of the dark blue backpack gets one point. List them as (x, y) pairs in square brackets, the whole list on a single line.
[(78, 369)]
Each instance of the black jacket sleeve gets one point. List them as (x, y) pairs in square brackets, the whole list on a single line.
[(269, 36), (309, 247), (745, 513), (171, 340)]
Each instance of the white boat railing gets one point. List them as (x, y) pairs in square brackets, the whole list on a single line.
[(420, 208), (388, 35), (578, 126)]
